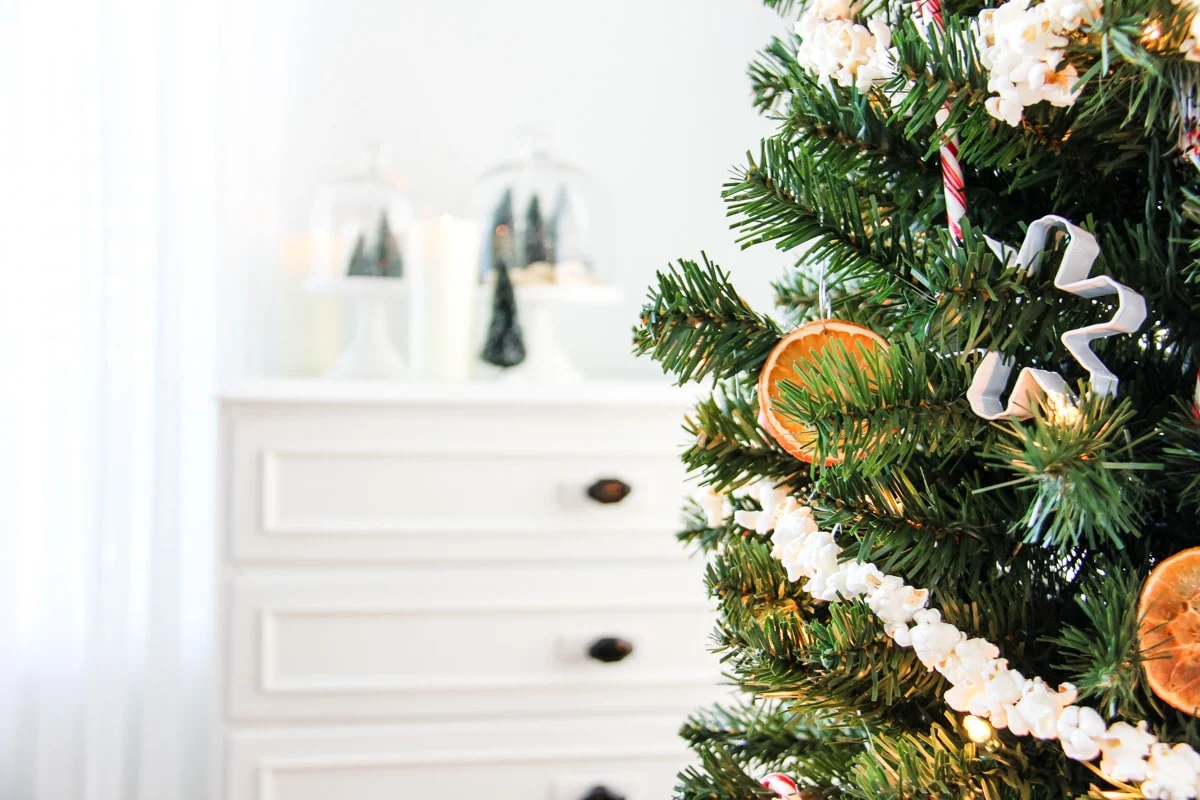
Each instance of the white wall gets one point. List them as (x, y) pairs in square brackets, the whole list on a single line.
[(650, 96)]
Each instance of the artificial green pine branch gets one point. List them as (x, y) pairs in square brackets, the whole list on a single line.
[(1073, 463), (880, 409), (929, 531), (1179, 433), (695, 325), (845, 662), (788, 197), (730, 445), (775, 736), (1009, 524), (848, 132), (718, 777), (941, 762), (1102, 659), (745, 574), (779, 643)]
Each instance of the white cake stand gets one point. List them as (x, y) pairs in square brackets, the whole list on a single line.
[(545, 361), (370, 354)]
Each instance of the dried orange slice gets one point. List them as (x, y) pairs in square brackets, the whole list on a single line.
[(1169, 631), (804, 345)]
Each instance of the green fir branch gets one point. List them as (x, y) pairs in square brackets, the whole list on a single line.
[(695, 325), (730, 447), (771, 736), (1073, 464), (1102, 657), (878, 409)]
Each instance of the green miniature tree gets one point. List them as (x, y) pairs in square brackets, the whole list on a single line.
[(1034, 535), (505, 345), (360, 265), (388, 261), (502, 237), (535, 243)]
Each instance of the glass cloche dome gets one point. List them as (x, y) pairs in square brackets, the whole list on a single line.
[(538, 216), (359, 223)]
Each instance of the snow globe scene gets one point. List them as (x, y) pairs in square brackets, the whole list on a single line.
[(360, 224), (537, 217)]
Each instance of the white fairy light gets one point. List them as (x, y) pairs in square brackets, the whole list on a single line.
[(978, 730)]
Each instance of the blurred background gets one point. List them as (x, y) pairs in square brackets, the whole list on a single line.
[(162, 169)]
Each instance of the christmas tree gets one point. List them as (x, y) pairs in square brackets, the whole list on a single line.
[(505, 344), (500, 244), (385, 261), (536, 235), (949, 489), (360, 265), (388, 262)]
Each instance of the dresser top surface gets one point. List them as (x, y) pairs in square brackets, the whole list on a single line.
[(284, 391)]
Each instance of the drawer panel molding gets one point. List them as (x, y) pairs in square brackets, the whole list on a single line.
[(399, 645), (635, 758), (393, 493)]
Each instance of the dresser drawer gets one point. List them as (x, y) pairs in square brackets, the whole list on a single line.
[(440, 642), (635, 758), (469, 483)]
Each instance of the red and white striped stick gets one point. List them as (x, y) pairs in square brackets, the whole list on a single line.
[(952, 174), (781, 785), (1196, 397)]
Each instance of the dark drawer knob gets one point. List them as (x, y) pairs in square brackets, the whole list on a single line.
[(609, 490), (602, 793), (610, 649)]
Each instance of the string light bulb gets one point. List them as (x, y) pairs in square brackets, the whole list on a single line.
[(979, 730), (1152, 32), (1062, 410)]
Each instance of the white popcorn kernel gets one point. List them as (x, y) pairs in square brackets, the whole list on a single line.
[(964, 696), (934, 640), (1124, 749), (861, 579), (748, 519), (792, 525), (774, 501), (894, 602), (968, 662), (715, 504), (1081, 729), (1040, 708), (835, 47), (1021, 46), (1172, 772), (1002, 687), (900, 634)]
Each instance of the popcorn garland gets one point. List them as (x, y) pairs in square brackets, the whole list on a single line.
[(982, 684), (835, 47), (1191, 45), (1021, 46)]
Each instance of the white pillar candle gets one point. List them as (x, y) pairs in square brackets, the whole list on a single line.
[(444, 280)]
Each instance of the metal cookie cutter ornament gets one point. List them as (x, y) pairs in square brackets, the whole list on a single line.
[(1032, 384)]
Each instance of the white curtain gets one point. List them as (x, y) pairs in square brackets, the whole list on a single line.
[(109, 220)]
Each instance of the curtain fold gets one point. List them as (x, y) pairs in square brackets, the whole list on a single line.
[(109, 246)]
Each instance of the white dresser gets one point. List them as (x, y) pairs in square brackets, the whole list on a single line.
[(457, 592)]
